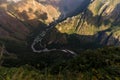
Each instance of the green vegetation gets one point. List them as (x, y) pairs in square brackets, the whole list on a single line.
[(99, 64), (20, 63)]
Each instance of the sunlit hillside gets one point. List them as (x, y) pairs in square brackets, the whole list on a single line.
[(59, 39)]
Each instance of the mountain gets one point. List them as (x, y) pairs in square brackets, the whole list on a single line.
[(18, 19), (87, 21), (99, 23), (59, 39)]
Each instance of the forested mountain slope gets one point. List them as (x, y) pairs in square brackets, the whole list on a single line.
[(89, 21)]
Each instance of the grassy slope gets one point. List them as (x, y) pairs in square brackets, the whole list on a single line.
[(90, 23)]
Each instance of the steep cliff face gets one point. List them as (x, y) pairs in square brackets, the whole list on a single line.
[(89, 21), (100, 21), (19, 18)]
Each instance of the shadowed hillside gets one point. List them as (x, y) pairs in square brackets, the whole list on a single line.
[(77, 40)]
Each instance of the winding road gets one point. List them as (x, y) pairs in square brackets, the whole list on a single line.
[(39, 38)]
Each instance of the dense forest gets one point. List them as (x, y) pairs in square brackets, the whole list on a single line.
[(99, 64)]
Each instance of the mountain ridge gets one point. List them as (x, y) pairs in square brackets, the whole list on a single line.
[(99, 22)]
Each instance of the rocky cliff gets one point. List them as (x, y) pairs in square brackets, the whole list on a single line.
[(90, 21), (18, 19), (100, 23)]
